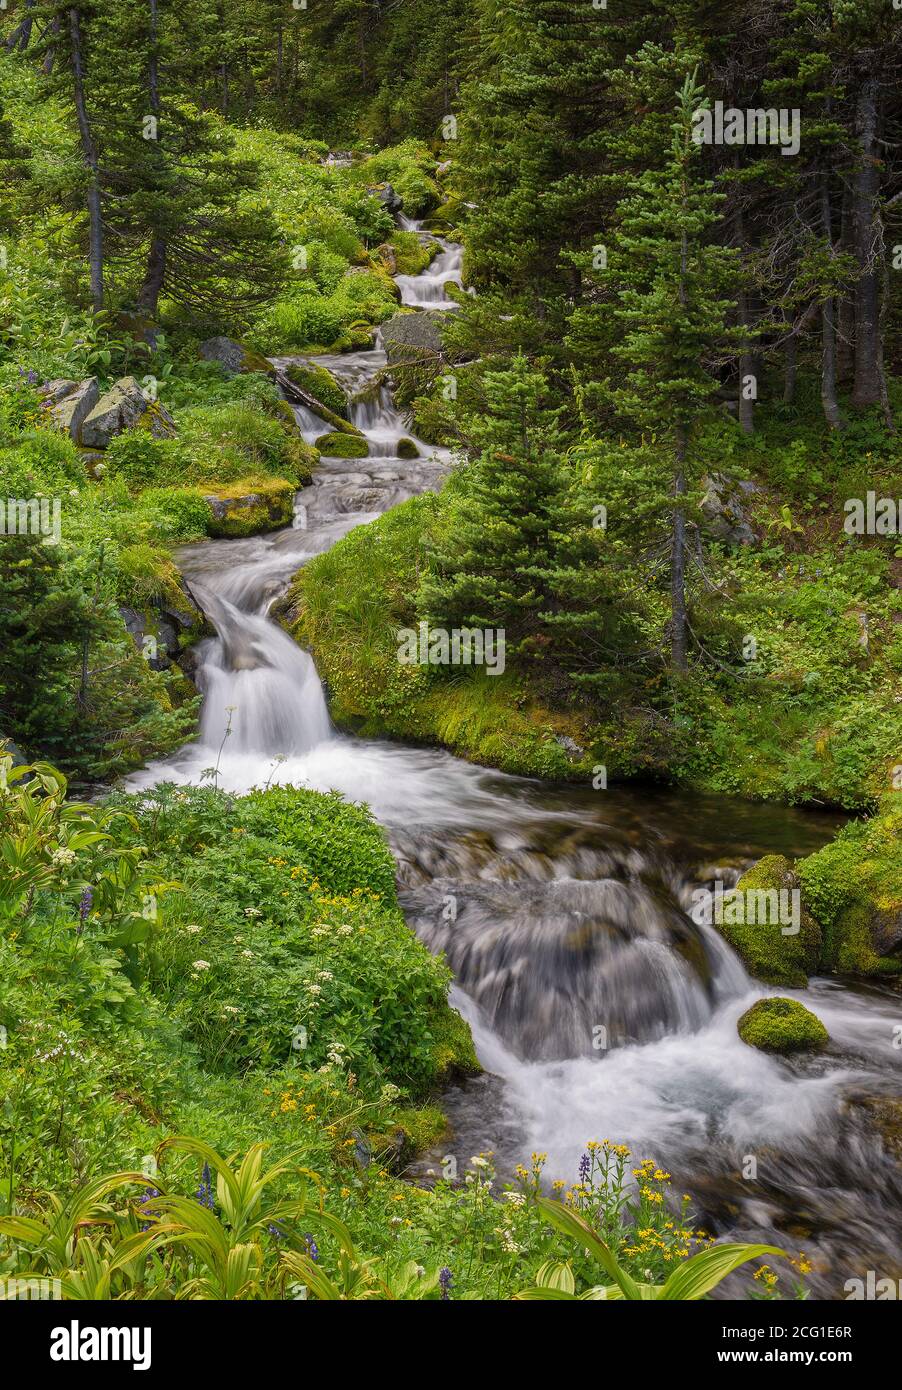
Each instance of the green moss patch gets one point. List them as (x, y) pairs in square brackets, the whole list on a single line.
[(343, 446), (767, 944), (781, 1025), (853, 887)]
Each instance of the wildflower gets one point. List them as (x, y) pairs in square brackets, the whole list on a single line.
[(204, 1193), (148, 1197), (585, 1167), (193, 929), (84, 906), (252, 912), (62, 858), (201, 965), (445, 1280), (312, 1247), (248, 954)]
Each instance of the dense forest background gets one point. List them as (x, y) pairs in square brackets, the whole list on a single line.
[(697, 345)]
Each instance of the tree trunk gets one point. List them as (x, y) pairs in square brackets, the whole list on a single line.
[(50, 55), (828, 329), (790, 370), (89, 154), (845, 308), (155, 272), (154, 276), (746, 370), (678, 645), (868, 385)]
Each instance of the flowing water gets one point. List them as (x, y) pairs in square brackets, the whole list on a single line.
[(598, 1006)]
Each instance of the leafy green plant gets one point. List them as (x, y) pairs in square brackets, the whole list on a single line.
[(692, 1279)]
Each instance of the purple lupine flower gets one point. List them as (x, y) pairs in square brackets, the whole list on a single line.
[(204, 1193), (445, 1280), (85, 905), (312, 1247), (275, 1230), (148, 1197), (585, 1167)]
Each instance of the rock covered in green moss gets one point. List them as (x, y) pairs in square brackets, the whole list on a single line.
[(853, 887), (251, 505), (765, 921), (407, 449), (343, 446), (781, 1025), (319, 383)]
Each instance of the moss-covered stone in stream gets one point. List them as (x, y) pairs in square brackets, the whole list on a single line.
[(319, 383), (343, 446), (251, 505), (770, 949), (853, 887), (781, 1025), (407, 449)]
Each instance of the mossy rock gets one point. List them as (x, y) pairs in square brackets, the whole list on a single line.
[(319, 383), (250, 506), (413, 1132), (407, 449), (781, 1025), (853, 887), (343, 446), (767, 950), (453, 1054)]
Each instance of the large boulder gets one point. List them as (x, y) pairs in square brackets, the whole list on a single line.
[(70, 403), (234, 357), (123, 407), (750, 921), (408, 337)]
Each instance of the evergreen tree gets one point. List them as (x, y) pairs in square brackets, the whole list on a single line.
[(676, 291), (500, 529)]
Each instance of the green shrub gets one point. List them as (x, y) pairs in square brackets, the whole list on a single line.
[(176, 514)]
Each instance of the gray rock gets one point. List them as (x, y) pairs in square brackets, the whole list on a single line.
[(234, 356), (723, 513), (390, 200), (407, 336), (569, 744), (12, 750), (70, 403), (121, 408)]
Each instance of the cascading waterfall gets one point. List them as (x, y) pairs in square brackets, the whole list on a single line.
[(598, 1007)]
